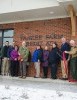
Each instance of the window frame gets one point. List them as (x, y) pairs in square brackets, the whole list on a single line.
[(3, 30)]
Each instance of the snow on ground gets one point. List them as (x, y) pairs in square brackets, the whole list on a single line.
[(9, 92)]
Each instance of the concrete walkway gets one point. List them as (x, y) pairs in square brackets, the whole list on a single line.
[(31, 82)]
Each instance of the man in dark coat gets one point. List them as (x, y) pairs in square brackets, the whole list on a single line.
[(5, 63), (54, 60), (64, 61)]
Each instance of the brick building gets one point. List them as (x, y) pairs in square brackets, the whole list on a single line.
[(41, 23)]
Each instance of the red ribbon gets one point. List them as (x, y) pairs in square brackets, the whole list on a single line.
[(65, 63)]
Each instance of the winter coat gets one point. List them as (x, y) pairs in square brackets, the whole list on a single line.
[(37, 55), (65, 47), (24, 53), (9, 51), (4, 51), (53, 56), (14, 55), (45, 62)]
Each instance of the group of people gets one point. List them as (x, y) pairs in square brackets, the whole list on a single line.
[(14, 60), (65, 56), (46, 58)]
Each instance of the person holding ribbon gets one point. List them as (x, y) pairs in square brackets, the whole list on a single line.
[(73, 60), (64, 58)]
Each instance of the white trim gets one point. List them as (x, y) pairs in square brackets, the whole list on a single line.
[(37, 19), (64, 0)]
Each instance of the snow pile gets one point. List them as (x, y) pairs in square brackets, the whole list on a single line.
[(24, 93)]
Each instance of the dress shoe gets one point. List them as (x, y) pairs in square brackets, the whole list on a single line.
[(24, 77), (44, 77), (72, 80), (64, 78), (20, 76), (36, 77)]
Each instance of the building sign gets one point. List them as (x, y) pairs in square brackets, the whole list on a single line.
[(34, 40)]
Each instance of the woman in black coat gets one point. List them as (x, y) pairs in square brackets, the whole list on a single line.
[(54, 60)]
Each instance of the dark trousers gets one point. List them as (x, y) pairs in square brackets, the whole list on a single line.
[(0, 65), (14, 68), (45, 71), (23, 65), (53, 71), (73, 67)]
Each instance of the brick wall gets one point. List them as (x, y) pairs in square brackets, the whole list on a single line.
[(41, 32)]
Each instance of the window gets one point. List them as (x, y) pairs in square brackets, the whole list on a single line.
[(0, 33), (0, 39), (6, 35)]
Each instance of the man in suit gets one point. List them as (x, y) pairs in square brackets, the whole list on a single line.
[(64, 60)]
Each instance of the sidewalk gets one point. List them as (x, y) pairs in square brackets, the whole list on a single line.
[(32, 79), (40, 83), (14, 88), (46, 80)]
